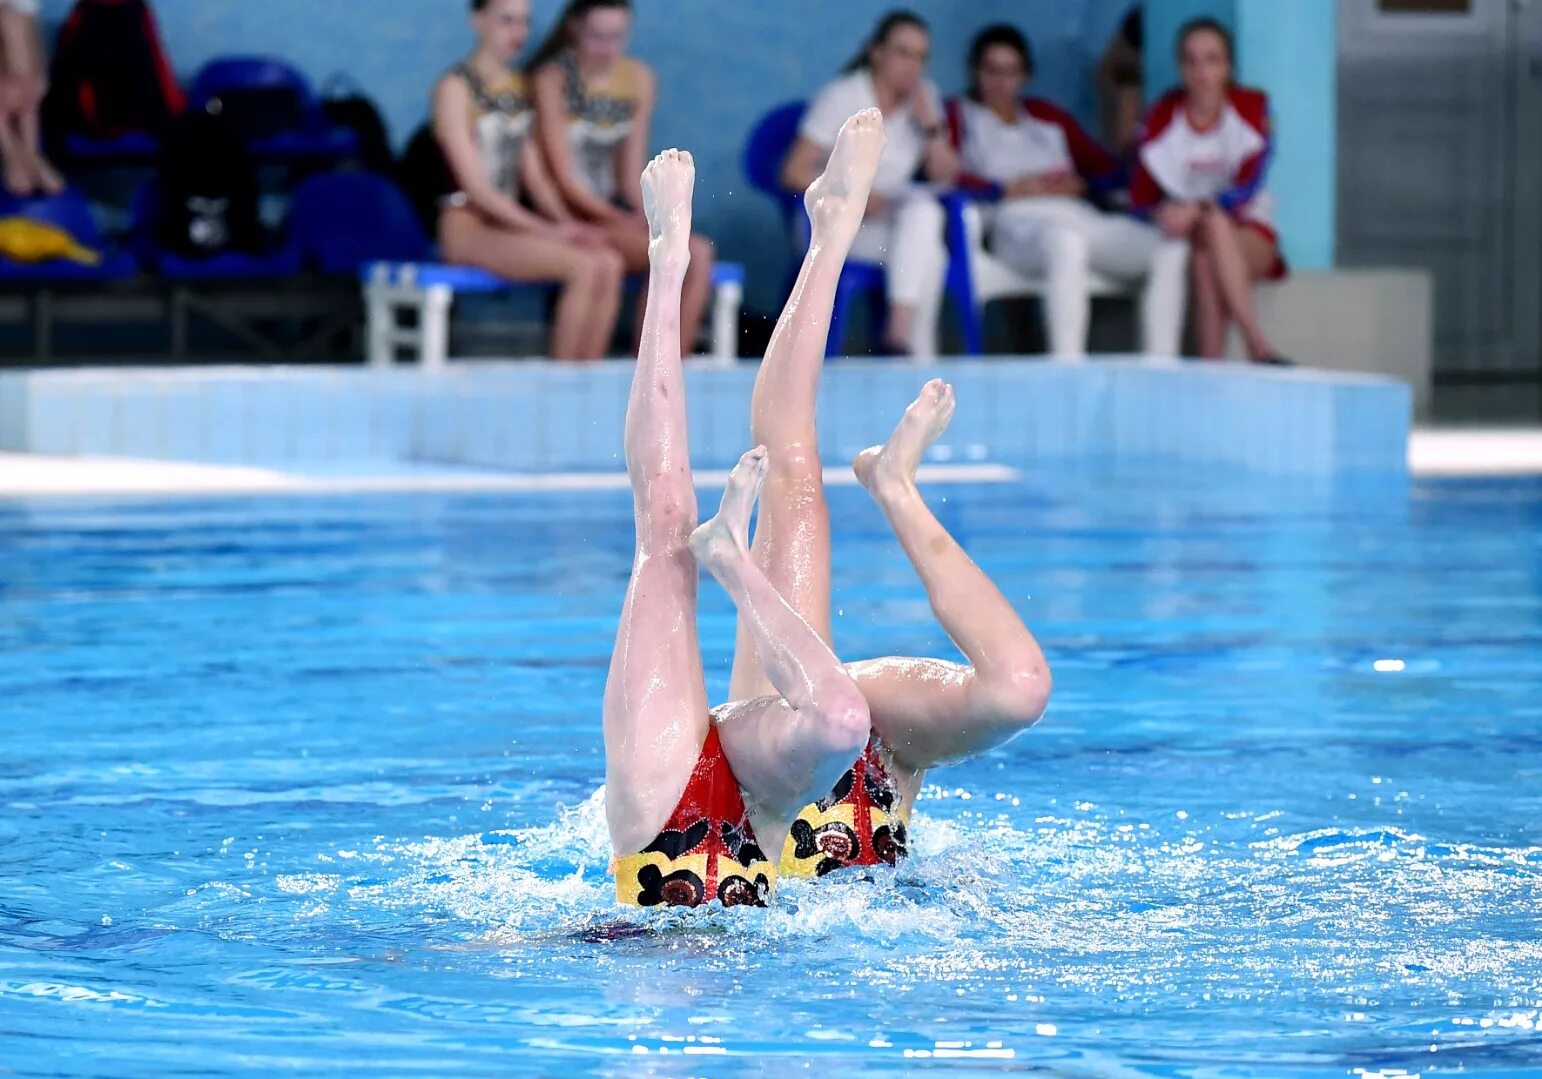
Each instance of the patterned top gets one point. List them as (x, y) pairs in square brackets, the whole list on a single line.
[(858, 823), (707, 849), (502, 117), (600, 123)]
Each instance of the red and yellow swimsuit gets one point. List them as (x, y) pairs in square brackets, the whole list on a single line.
[(860, 822), (707, 850)]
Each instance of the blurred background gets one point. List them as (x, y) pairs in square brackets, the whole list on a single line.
[(1405, 169)]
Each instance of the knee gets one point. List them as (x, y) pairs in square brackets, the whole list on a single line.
[(922, 218), (1066, 247), (609, 266), (1015, 695), (595, 269), (669, 517), (845, 724), (1216, 227)]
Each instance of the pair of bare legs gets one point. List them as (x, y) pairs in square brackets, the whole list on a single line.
[(22, 87), (1227, 257), (588, 278), (800, 717), (630, 237)]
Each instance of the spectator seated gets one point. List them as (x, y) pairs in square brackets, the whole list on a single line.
[(274, 105), (70, 212), (767, 148), (976, 277), (359, 223)]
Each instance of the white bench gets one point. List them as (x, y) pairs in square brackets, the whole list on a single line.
[(427, 290)]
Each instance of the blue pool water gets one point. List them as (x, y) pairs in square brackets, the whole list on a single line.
[(311, 784)]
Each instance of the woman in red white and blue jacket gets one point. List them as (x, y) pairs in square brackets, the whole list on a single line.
[(1204, 152), (1034, 164)]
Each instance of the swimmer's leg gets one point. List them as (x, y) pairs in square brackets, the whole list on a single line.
[(655, 696), (792, 540), (789, 749), (931, 711)]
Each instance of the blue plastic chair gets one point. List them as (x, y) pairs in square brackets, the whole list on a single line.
[(313, 138), (764, 153), (71, 212), (132, 148), (282, 261), (340, 222)]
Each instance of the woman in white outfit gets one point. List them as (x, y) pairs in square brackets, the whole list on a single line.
[(1039, 162), (905, 224)]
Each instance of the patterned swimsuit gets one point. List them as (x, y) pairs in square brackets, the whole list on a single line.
[(707, 850), (858, 823)]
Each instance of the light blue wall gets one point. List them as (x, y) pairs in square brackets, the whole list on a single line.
[(721, 64), (1289, 50)]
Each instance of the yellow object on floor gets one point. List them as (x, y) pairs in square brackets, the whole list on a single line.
[(26, 240)]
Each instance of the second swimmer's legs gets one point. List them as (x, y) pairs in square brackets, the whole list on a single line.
[(790, 748), (929, 711), (792, 540)]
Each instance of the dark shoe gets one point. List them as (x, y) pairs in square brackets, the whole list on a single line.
[(1272, 360)]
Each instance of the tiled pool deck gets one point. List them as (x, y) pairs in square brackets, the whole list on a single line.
[(531, 416)]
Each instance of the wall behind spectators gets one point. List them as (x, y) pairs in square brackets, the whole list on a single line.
[(721, 63)]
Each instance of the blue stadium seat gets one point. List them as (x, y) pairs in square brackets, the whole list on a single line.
[(342, 221), (312, 138), (70, 212), (767, 148)]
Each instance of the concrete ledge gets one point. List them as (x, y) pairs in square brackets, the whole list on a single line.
[(545, 417), (1373, 321)]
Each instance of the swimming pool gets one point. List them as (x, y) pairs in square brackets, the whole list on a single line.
[(306, 783)]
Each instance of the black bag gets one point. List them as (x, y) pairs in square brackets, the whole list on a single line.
[(346, 106), (110, 75), (425, 175), (208, 190)]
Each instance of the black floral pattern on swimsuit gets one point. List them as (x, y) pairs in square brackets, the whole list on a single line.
[(741, 848), (682, 888), (835, 844), (675, 844)]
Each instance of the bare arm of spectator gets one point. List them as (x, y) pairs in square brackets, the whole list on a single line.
[(537, 182), (939, 163), (634, 152), (452, 104), (803, 163), (551, 124)]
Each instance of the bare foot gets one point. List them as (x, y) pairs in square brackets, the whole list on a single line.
[(19, 179), (727, 536), (837, 200), (890, 469), (667, 186), (49, 181)]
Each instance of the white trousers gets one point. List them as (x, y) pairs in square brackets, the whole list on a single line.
[(908, 239), (1061, 239)]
